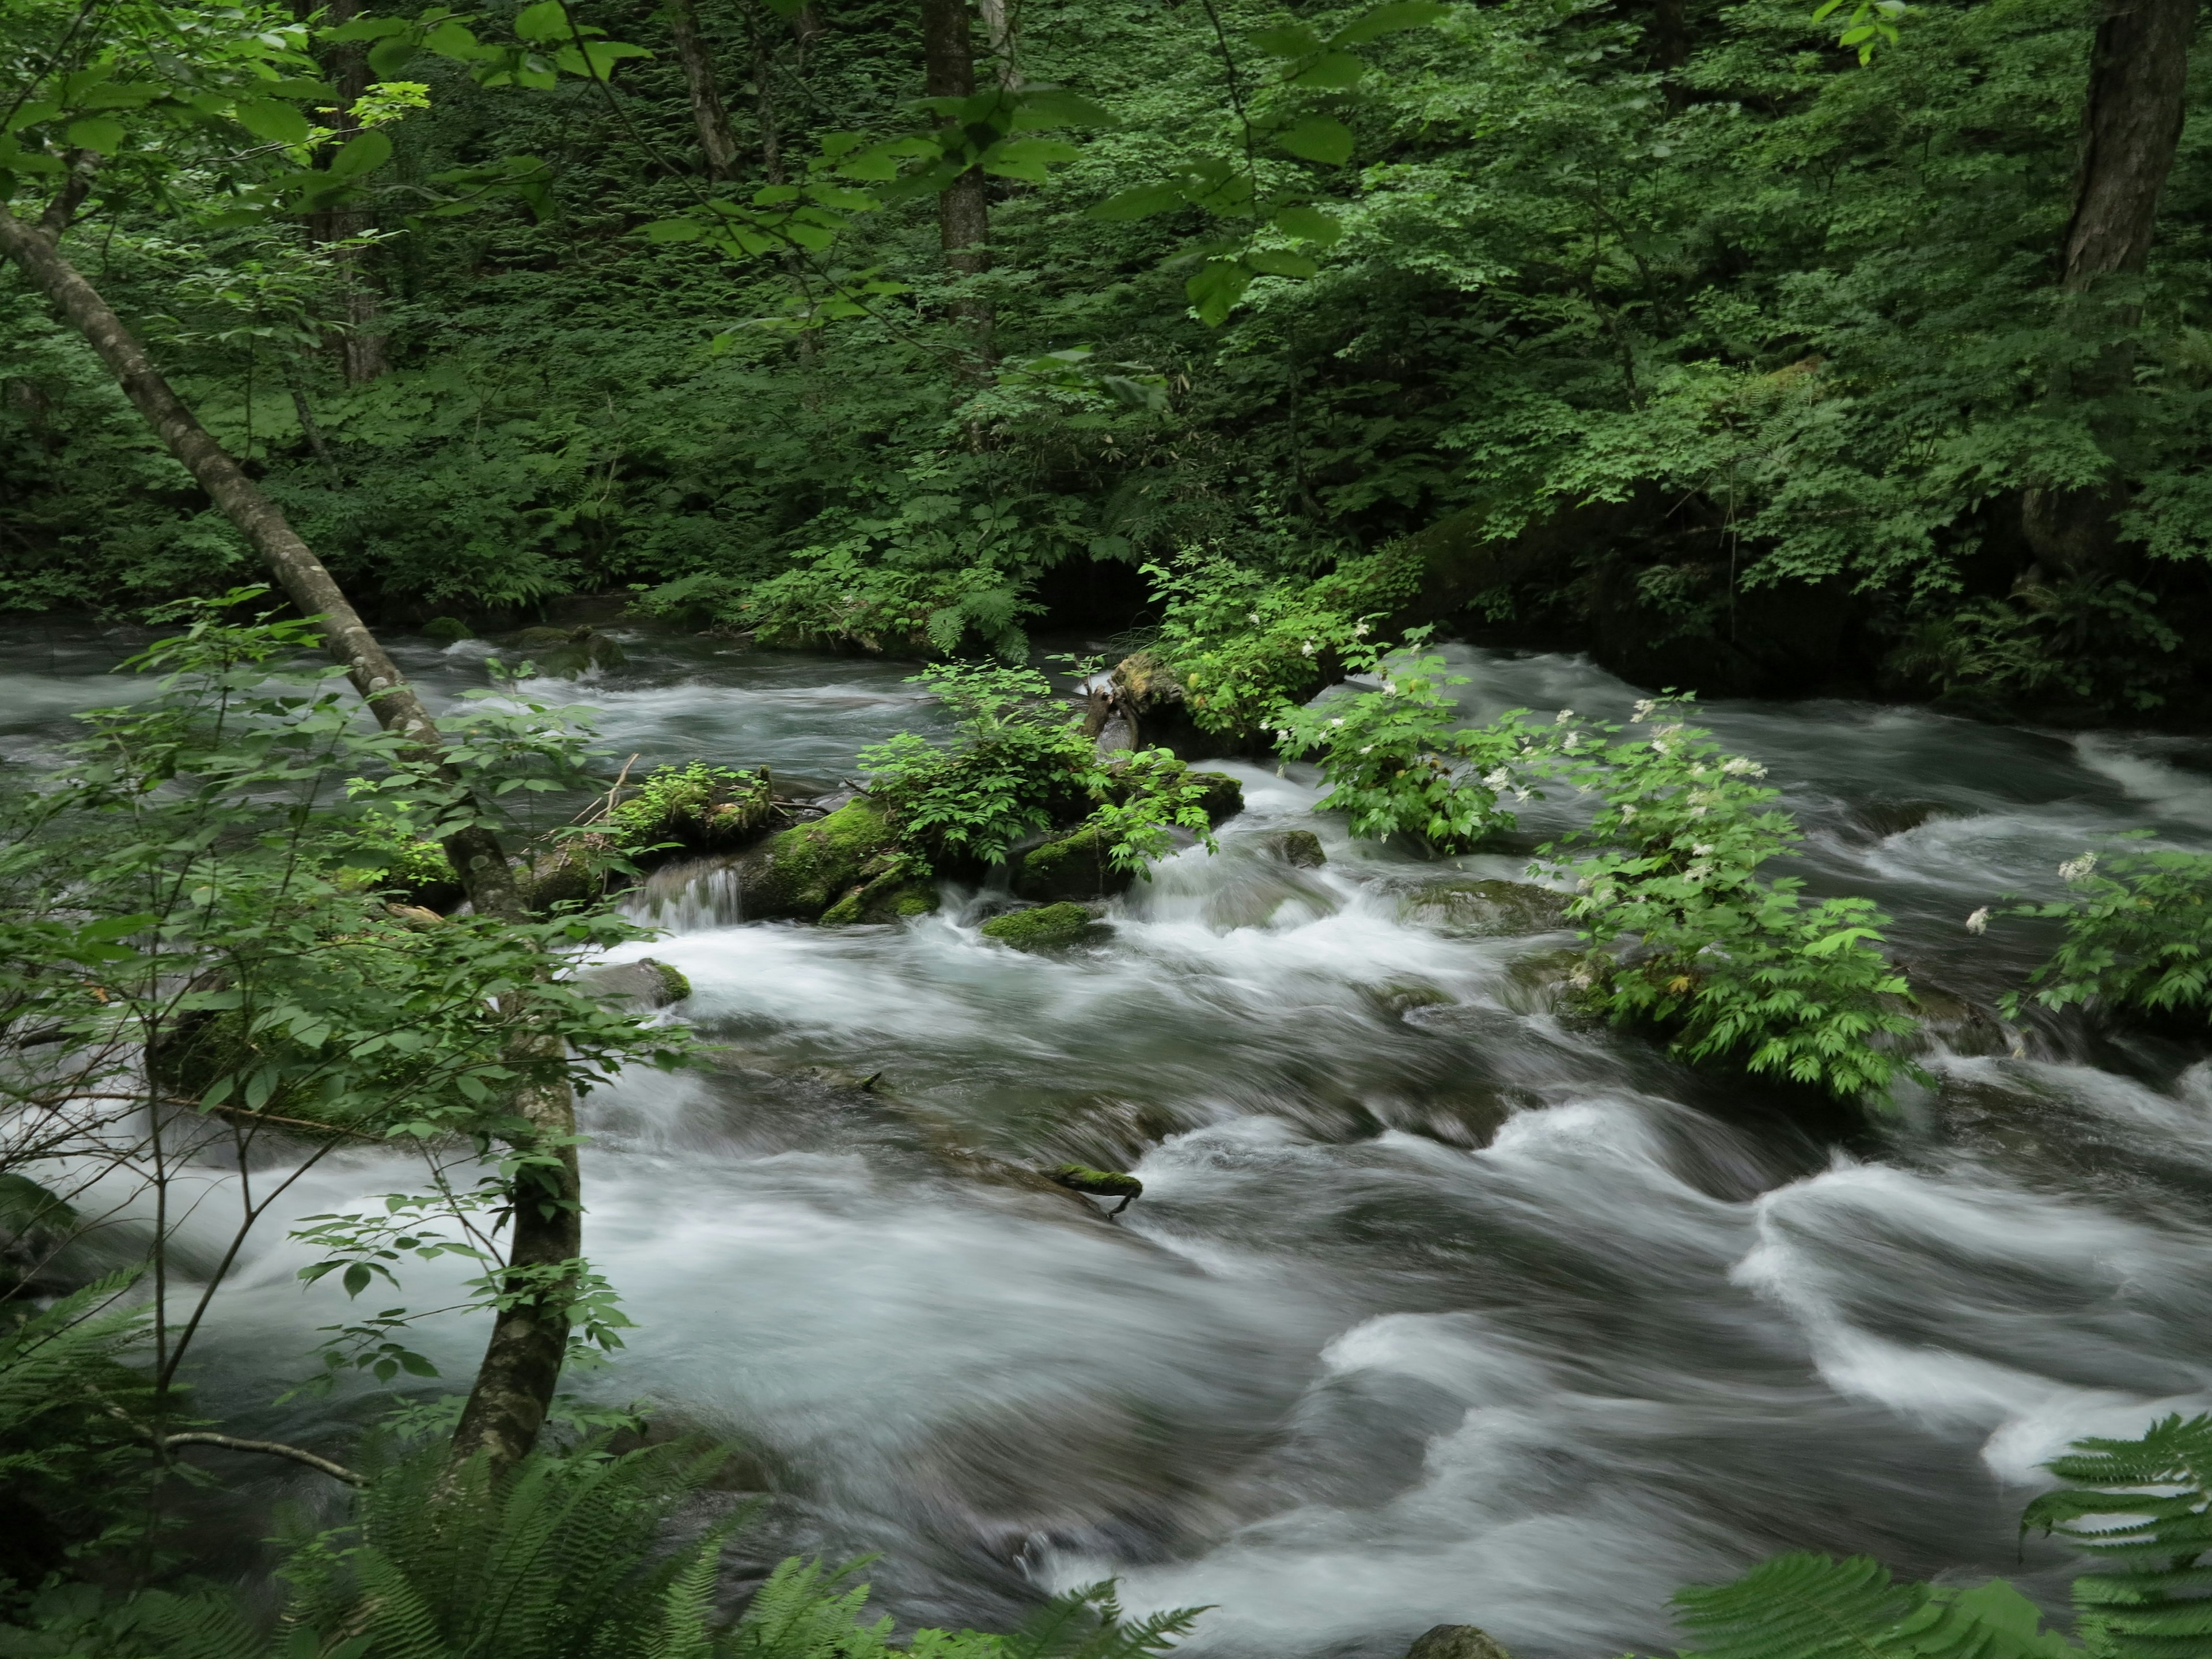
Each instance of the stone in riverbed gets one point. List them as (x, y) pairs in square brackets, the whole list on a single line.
[(1048, 927), (1070, 867), (805, 872), (1104, 1183), (1456, 1642), (646, 983), (1299, 849), (1485, 909)]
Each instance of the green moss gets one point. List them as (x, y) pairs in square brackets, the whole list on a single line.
[(1046, 928), (1299, 849), (803, 871), (889, 892), (569, 651), (674, 982), (448, 630), (1073, 867), (1223, 797), (1107, 1183)]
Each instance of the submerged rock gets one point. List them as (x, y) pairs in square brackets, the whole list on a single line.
[(1299, 849), (1399, 998), (1048, 928), (1485, 909), (1456, 1642), (447, 630), (568, 652)]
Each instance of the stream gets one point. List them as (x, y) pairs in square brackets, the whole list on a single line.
[(1437, 1307)]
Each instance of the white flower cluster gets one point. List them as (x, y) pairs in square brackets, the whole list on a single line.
[(1497, 780), (1737, 767), (1307, 650), (1979, 921), (2078, 869), (1642, 710)]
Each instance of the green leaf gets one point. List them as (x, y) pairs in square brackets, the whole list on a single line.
[(365, 154), (1333, 73), (1310, 224), (364, 28), (1026, 158), (1290, 41), (1386, 20), (1215, 288), (388, 57), (1056, 106), (547, 19), (674, 230), (1318, 138), (1139, 202), (32, 114), (96, 132), (273, 121), (1275, 262), (356, 1279)]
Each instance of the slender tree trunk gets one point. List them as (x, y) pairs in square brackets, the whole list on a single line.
[(361, 349), (771, 142), (999, 28), (963, 217), (1670, 49), (2130, 129), (514, 1386), (711, 120)]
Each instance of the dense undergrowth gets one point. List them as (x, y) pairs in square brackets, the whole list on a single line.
[(1793, 316)]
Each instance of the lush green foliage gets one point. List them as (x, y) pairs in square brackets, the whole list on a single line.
[(1023, 764), (2138, 934), (1687, 934), (1395, 761), (1813, 1607)]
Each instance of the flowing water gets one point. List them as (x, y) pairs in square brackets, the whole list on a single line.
[(1437, 1307)]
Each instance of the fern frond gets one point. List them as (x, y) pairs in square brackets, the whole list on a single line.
[(1813, 1606), (2144, 1507), (395, 1613), (193, 1626), (689, 1599)]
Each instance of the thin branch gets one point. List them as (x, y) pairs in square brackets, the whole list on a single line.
[(273, 1448)]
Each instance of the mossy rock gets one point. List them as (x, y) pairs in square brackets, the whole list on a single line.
[(1487, 909), (447, 630), (1299, 849), (568, 652), (695, 808), (1396, 999), (890, 892), (646, 983), (1456, 1642), (1073, 866), (803, 871), (1048, 928), (1103, 1183), (1224, 798)]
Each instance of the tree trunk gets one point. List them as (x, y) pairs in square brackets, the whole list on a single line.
[(361, 349), (514, 1386), (2131, 128), (771, 145), (963, 219), (711, 120), (998, 27)]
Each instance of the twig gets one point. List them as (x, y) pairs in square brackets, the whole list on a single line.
[(273, 1448)]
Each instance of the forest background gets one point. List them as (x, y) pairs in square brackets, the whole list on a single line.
[(1747, 362)]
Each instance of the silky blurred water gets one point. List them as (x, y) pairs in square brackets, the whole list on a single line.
[(1436, 1308)]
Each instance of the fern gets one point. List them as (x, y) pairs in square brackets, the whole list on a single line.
[(1813, 1606), (2140, 1507)]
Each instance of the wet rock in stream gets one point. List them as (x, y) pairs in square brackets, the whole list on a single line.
[(1047, 927), (1485, 908), (1456, 1642)]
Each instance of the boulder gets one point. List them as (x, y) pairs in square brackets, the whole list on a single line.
[(447, 630), (888, 891), (1456, 1642), (802, 872), (568, 652), (1299, 849), (646, 983), (1485, 910), (1073, 866), (1048, 928), (1399, 998)]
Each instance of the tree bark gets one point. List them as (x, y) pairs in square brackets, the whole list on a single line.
[(771, 142), (361, 353), (522, 1363), (2130, 129), (963, 214), (709, 117), (998, 29)]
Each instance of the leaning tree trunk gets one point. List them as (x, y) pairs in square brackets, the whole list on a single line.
[(2131, 128), (963, 214), (711, 120), (514, 1385)]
